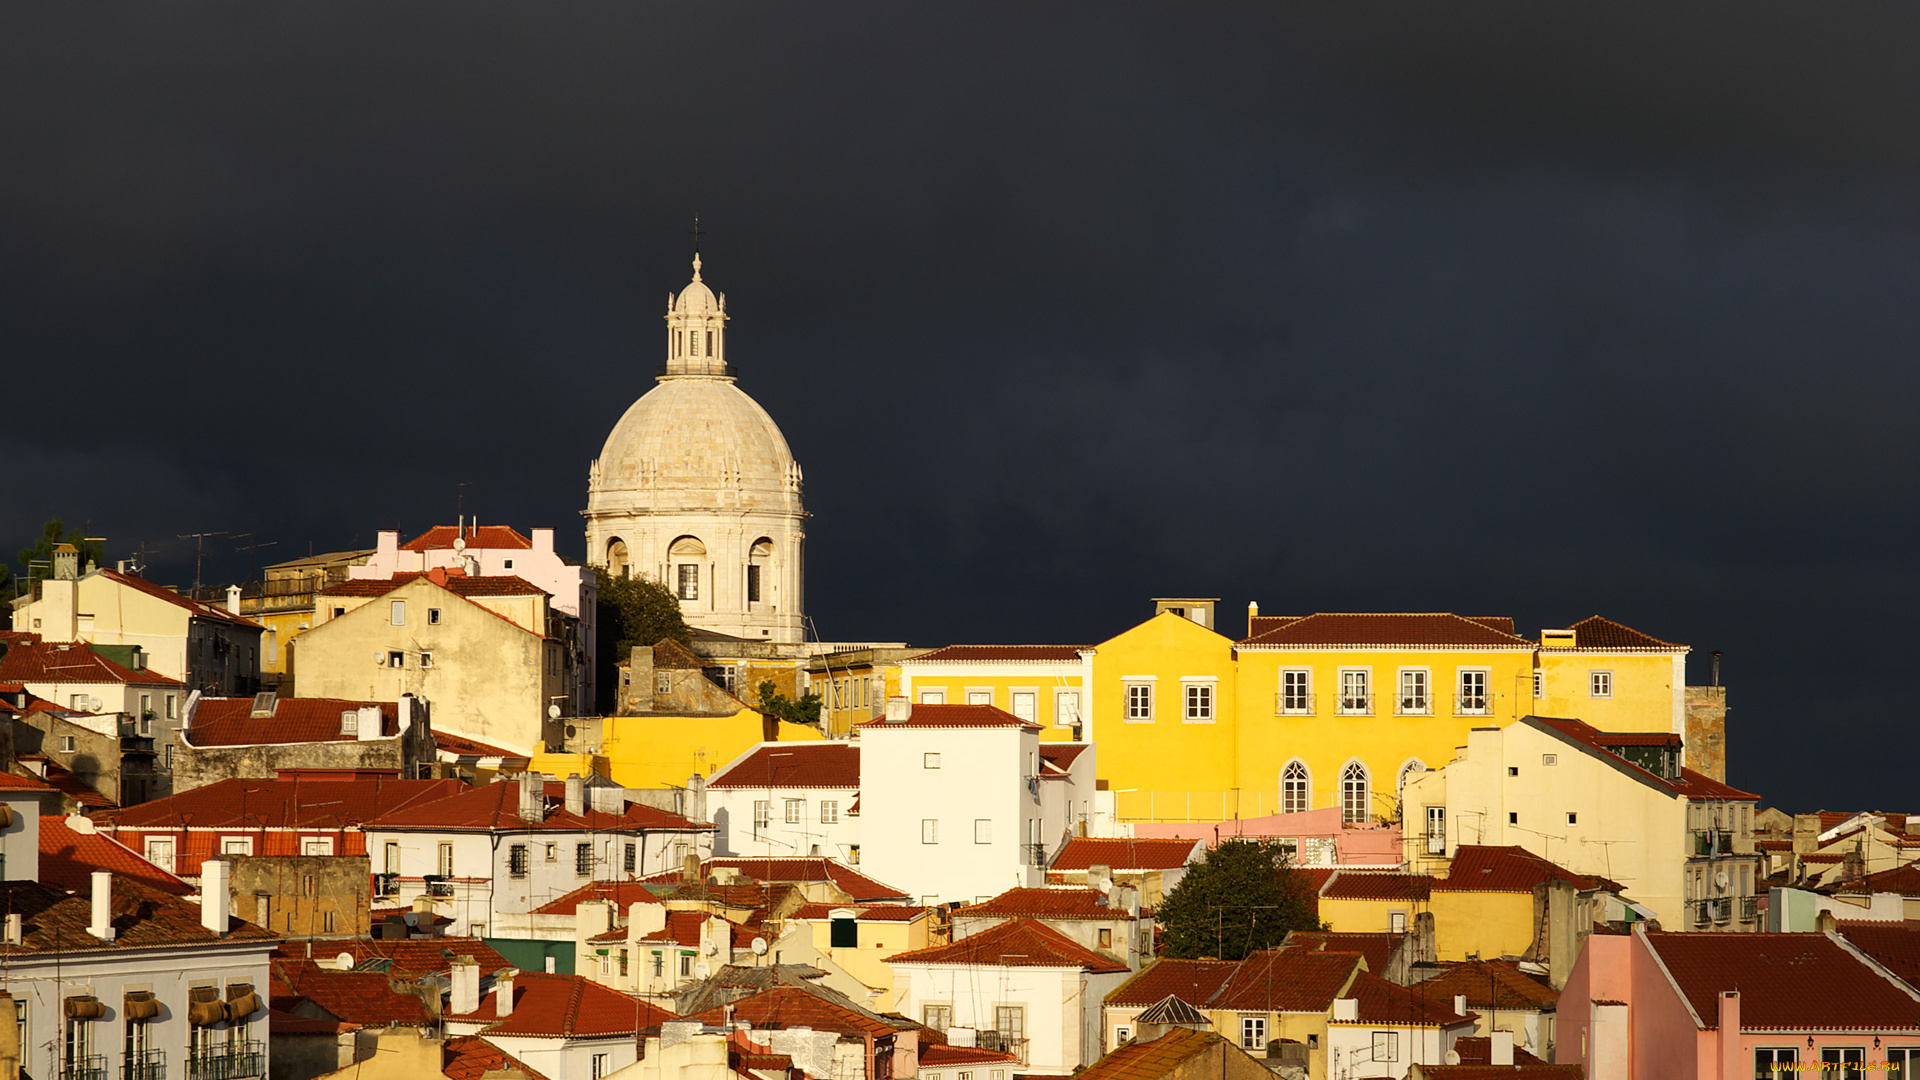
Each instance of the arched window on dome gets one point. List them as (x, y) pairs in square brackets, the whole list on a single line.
[(685, 556), (1356, 794), (759, 557), (1295, 788), (618, 563)]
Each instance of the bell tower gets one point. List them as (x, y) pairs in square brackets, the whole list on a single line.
[(697, 330)]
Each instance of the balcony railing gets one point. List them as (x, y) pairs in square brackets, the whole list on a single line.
[(1723, 841), (1723, 911), (144, 1065), (235, 1061), (1702, 844), (1471, 704), (1036, 854), (1749, 908), (439, 886), (1702, 913), (1415, 705), (85, 1068), (386, 884), (1356, 704), (1292, 704)]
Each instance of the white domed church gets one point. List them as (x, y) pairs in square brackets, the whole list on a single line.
[(696, 488)]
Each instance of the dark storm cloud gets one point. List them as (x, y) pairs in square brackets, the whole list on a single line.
[(1534, 309)]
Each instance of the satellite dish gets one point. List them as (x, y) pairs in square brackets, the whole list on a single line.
[(702, 969), (553, 712), (1720, 881), (344, 961), (759, 946), (379, 658), (94, 704), (1453, 1057), (712, 948)]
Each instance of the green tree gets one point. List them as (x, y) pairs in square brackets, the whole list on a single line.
[(37, 558), (637, 611), (778, 705), (1244, 897)]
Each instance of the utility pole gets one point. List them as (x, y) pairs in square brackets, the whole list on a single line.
[(199, 550)]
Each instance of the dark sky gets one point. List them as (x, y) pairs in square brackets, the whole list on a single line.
[(1535, 309)]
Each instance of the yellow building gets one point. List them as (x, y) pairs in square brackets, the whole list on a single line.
[(1043, 684), (859, 940), (1617, 679), (664, 750), (284, 603), (1164, 698), (854, 684)]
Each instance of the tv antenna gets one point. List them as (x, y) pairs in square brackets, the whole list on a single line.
[(199, 550)]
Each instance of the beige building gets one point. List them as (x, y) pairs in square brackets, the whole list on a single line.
[(487, 651), (1615, 805), (696, 489), (282, 602)]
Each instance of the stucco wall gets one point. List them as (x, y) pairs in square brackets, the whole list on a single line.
[(303, 895)]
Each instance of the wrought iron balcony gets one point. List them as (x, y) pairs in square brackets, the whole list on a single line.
[(1415, 705), (386, 884), (85, 1068), (1296, 703), (1356, 704), (1475, 704), (440, 886), (239, 1060), (1749, 908), (144, 1065), (1036, 854)]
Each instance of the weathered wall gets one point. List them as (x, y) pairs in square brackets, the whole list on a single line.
[(1707, 730), (198, 766), (304, 895)]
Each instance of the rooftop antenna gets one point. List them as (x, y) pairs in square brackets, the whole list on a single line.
[(199, 550), (697, 233), (460, 501), (252, 545)]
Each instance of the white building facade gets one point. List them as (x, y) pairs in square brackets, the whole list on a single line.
[(696, 488), (785, 800)]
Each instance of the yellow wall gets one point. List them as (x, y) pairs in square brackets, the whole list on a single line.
[(1000, 681), (878, 942), (663, 751), (1648, 689), (854, 695), (561, 766), (1366, 916), (1489, 925), (1165, 753)]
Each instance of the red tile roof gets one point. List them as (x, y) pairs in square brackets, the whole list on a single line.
[(1381, 1002), (1083, 852), (1690, 785), (1286, 980), (1062, 754), (824, 764), (1014, 943), (1637, 738), (1786, 981), (357, 997), (684, 928), (1894, 945), (410, 957), (81, 792), (1478, 1050), (1904, 880), (863, 912), (935, 1055), (1486, 868), (1195, 982), (495, 807), (274, 804), (457, 584), (1701, 786), (1610, 636), (1377, 949), (791, 1006), (192, 606), (953, 716), (470, 1057), (1433, 629), (1000, 654), (856, 885), (1156, 1059), (1073, 902), (1894, 822), (69, 857), (476, 536), (143, 917), (230, 721), (1489, 984), (1373, 885), (14, 781), (461, 746), (622, 894), (1502, 623), (565, 1007), (73, 662)]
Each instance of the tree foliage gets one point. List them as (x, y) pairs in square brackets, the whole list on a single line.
[(778, 705), (637, 611), (1244, 897), (37, 558)]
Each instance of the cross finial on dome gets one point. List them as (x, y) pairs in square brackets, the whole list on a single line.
[(697, 233)]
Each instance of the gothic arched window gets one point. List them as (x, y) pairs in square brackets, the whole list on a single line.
[(1356, 793), (1295, 785)]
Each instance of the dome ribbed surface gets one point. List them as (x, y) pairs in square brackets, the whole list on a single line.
[(696, 443)]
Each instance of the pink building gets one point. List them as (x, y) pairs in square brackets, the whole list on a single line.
[(1649, 1006), (1318, 837)]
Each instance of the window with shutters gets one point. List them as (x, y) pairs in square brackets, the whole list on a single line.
[(582, 859), (762, 817)]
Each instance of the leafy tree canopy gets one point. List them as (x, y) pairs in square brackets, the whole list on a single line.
[(1244, 897), (637, 611), (778, 705), (37, 558)]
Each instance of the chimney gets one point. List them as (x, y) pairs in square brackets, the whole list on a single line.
[(533, 797), (1729, 1041), (406, 712), (503, 992), (1253, 612), (1100, 879), (543, 541), (1502, 1053), (233, 599), (13, 929), (1126, 898), (102, 924), (1460, 1004), (1346, 1009), (372, 725), (608, 800), (576, 795), (899, 710), (1825, 922), (465, 991), (216, 903), (690, 867), (387, 547)]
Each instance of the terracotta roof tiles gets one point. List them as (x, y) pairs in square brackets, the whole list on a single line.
[(1894, 945), (952, 716), (1157, 1059), (496, 808), (1478, 1050), (622, 894), (1376, 948), (824, 764), (1056, 903), (457, 584), (1421, 629), (565, 1007), (1510, 868), (357, 997), (470, 1057), (1606, 635), (411, 957), (476, 536), (1374, 885), (936, 1055), (230, 721), (791, 1006), (43, 662), (856, 885), (69, 856), (1015, 943), (1195, 982), (1489, 984), (301, 803), (1786, 981), (1381, 1002), (1691, 785), (863, 912), (1083, 852), (1904, 880), (194, 607), (1275, 980), (143, 917)]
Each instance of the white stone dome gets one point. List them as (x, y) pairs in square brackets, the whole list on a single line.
[(696, 443)]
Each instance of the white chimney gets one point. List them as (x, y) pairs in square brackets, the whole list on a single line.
[(102, 924), (576, 795), (533, 797), (233, 599), (216, 904), (503, 992), (542, 541), (899, 709), (1346, 1009), (1502, 1048), (1460, 1004), (13, 929), (465, 996), (371, 725)]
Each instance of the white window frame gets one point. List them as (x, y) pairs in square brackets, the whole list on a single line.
[(1358, 703), (1199, 699), (935, 696), (159, 851), (686, 578), (316, 845), (1066, 708), (983, 830), (1388, 1041), (1253, 1032), (1024, 702), (1420, 701), (1464, 697), (236, 845), (1539, 684), (1600, 683), (1136, 699), (1346, 795), (829, 811), (795, 810), (980, 695), (762, 817), (397, 612), (1295, 696), (1436, 830), (930, 759), (930, 830), (1305, 780)]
